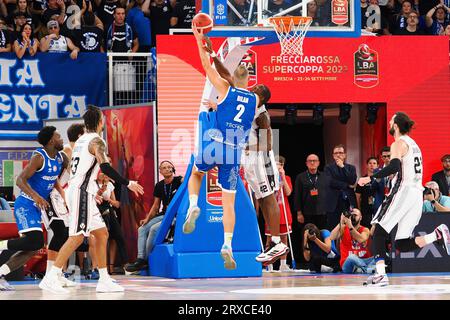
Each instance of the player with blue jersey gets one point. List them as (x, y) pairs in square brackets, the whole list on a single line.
[(36, 182), (223, 135)]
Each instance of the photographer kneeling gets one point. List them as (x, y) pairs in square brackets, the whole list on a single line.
[(434, 200), (320, 250), (354, 244)]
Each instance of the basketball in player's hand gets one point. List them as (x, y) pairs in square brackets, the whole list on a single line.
[(203, 22)]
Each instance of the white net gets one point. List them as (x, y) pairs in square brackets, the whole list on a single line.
[(291, 32)]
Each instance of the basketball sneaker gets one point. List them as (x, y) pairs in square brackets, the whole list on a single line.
[(285, 268), (272, 253), (227, 256), (66, 283), (53, 285), (108, 285), (4, 285), (191, 218), (377, 280), (443, 237)]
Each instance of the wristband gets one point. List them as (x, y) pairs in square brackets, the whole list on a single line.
[(433, 201)]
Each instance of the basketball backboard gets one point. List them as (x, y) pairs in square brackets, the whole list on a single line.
[(250, 18)]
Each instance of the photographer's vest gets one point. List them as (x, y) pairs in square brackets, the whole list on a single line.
[(349, 245)]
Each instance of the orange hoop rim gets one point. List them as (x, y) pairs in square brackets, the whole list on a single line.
[(283, 23)]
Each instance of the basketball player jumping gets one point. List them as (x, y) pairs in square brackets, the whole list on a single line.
[(35, 182), (89, 156), (259, 164), (403, 205), (227, 134)]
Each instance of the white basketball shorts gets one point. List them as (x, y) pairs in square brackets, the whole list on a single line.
[(261, 172)]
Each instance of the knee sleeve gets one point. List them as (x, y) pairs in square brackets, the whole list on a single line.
[(380, 236), (60, 235), (406, 245), (30, 241)]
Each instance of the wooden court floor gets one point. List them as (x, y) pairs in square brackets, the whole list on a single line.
[(271, 286)]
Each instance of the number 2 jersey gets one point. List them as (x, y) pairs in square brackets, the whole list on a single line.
[(412, 168), (234, 117), (84, 165)]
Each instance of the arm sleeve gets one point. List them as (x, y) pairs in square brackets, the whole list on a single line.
[(393, 167), (113, 174)]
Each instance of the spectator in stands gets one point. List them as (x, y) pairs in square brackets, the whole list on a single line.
[(399, 20), (9, 5), (242, 18), (436, 19), (54, 7), (434, 200), (22, 7), (140, 25), (354, 244), (443, 177), (342, 179), (120, 36), (324, 12), (5, 37), (160, 15), (25, 43), (310, 194), (312, 12), (107, 208), (3, 9), (163, 193), (276, 6), (447, 31), (182, 14), (385, 182), (319, 250), (412, 26), (19, 22), (106, 11), (90, 37), (365, 196), (55, 42)]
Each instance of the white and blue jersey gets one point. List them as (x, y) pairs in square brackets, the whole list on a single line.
[(27, 214), (224, 133)]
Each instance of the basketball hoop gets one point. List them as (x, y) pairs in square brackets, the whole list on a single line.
[(291, 32)]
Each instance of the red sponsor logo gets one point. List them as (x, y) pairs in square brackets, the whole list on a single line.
[(213, 190), (250, 61), (339, 12), (366, 67)]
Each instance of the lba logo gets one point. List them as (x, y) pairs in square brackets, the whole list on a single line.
[(366, 67), (249, 61), (213, 189)]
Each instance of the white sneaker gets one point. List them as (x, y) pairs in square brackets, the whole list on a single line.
[(66, 283), (53, 285), (191, 218), (108, 285), (272, 253), (5, 286), (443, 237), (285, 268), (377, 280), (326, 269), (227, 256)]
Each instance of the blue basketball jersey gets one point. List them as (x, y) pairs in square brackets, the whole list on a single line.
[(44, 180), (235, 115)]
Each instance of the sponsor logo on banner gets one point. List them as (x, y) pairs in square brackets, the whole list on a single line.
[(366, 67), (213, 190), (339, 12), (220, 12), (249, 61)]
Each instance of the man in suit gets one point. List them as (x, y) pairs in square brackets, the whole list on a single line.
[(443, 177), (342, 179)]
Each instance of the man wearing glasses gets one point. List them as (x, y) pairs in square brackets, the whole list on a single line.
[(443, 177), (310, 191), (341, 182), (55, 42)]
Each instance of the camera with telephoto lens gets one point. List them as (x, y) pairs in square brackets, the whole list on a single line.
[(427, 191), (311, 232), (347, 214)]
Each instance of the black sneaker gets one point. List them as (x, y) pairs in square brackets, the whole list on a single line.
[(136, 266)]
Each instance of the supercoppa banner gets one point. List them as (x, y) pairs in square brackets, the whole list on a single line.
[(47, 86)]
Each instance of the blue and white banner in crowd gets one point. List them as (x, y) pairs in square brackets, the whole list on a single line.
[(47, 86)]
